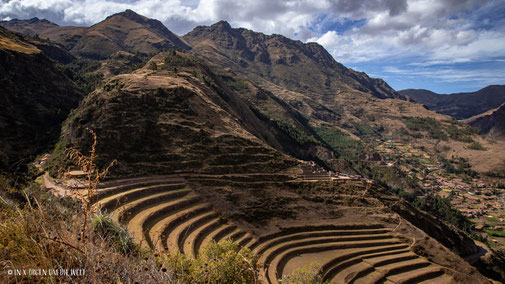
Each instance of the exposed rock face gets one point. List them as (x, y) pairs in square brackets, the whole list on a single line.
[(302, 67), (460, 105), (36, 97)]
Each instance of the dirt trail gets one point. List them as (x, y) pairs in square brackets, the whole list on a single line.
[(51, 185)]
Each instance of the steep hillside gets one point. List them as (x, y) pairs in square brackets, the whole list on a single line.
[(344, 113), (291, 64), (29, 29), (36, 97), (460, 105), (176, 115), (125, 31), (182, 120), (492, 124)]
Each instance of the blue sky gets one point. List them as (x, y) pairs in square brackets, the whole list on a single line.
[(445, 46)]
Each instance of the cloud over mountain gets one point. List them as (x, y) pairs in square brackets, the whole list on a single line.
[(355, 32)]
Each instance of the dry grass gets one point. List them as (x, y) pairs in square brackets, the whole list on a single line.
[(10, 44), (44, 234), (93, 175), (309, 274), (45, 231), (481, 161), (49, 232)]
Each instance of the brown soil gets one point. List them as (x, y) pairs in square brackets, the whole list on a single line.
[(351, 235), (482, 161)]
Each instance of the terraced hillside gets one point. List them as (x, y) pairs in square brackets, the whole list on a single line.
[(163, 213), (366, 253), (157, 120)]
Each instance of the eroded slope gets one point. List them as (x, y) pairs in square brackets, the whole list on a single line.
[(161, 120)]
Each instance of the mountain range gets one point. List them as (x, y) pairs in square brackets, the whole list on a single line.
[(291, 64), (127, 31), (238, 112), (328, 110), (296, 79), (460, 105)]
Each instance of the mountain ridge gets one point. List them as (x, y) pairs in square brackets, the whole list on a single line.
[(104, 38), (124, 31), (460, 105), (234, 115), (267, 56), (491, 124)]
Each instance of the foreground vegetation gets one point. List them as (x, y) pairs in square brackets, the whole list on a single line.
[(41, 231)]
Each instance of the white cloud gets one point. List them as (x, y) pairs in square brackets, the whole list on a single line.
[(432, 31), (435, 30), (452, 75)]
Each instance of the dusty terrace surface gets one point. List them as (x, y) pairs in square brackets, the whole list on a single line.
[(287, 221)]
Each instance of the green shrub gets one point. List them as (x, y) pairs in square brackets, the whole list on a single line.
[(495, 233), (299, 136), (437, 206), (462, 134), (108, 229), (124, 243), (304, 275), (82, 72), (104, 224), (477, 146), (224, 262), (340, 142), (362, 129), (428, 124), (153, 65)]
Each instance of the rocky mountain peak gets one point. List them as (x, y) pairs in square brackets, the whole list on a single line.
[(36, 20), (139, 19), (298, 66), (222, 25), (130, 14)]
